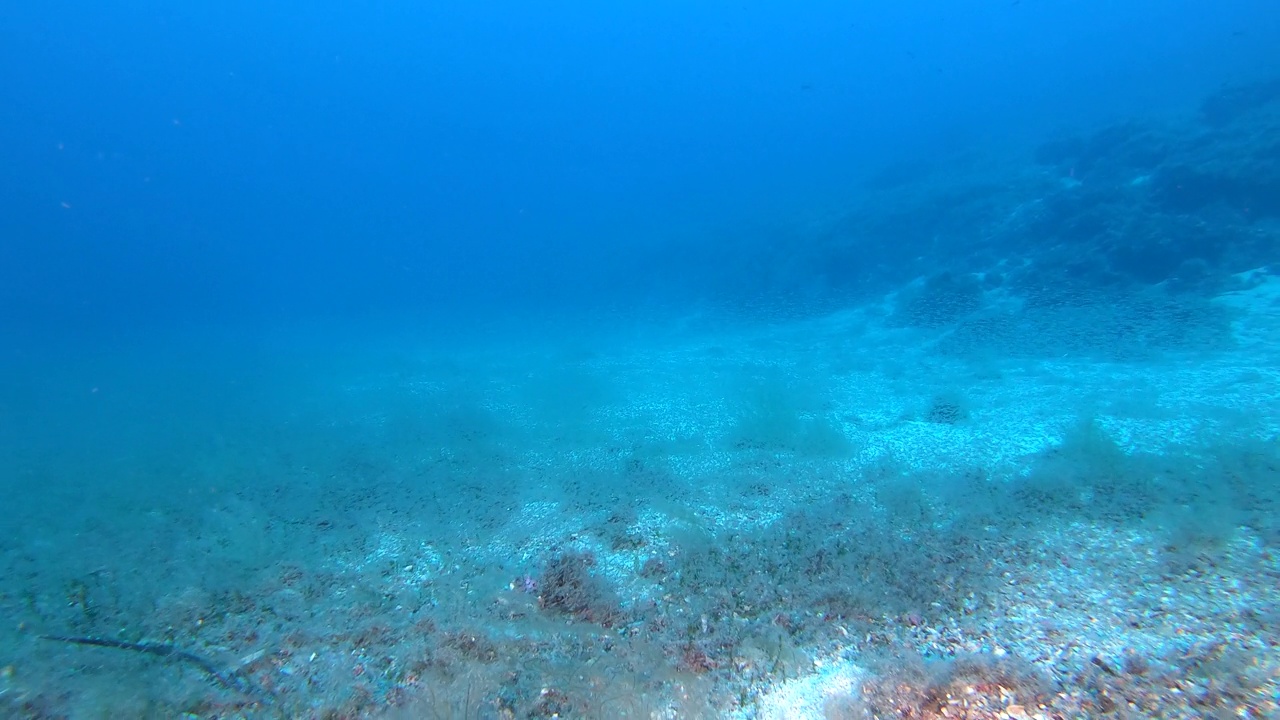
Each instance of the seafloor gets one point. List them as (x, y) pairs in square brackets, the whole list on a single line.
[(819, 519)]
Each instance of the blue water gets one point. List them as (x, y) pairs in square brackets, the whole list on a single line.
[(250, 250), (251, 163)]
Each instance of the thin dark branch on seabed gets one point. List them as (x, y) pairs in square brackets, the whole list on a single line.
[(235, 681)]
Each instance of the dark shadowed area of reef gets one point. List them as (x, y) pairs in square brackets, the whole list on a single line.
[(1145, 217)]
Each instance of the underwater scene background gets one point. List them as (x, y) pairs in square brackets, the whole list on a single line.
[(727, 360)]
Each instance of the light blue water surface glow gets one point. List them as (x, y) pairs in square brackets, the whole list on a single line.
[(255, 256)]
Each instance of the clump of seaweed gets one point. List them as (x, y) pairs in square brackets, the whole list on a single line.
[(568, 586), (979, 686)]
